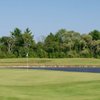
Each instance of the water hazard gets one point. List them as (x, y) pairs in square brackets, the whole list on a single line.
[(70, 69), (67, 69)]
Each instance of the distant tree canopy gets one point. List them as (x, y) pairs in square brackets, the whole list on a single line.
[(62, 44)]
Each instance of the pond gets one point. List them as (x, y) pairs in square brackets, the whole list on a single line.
[(67, 69), (70, 69)]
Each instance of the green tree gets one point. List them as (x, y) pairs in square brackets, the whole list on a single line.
[(95, 34), (28, 41)]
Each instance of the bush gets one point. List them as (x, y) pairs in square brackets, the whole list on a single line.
[(85, 53), (72, 54)]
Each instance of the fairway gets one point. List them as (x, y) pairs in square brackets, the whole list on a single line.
[(48, 85)]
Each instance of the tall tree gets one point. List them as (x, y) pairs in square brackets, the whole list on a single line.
[(16, 36), (28, 41), (95, 34)]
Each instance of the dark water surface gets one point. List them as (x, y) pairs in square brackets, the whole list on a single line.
[(67, 69), (70, 69)]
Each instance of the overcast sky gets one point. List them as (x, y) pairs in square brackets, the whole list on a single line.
[(45, 16)]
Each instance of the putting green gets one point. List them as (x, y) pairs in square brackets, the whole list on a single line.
[(48, 85)]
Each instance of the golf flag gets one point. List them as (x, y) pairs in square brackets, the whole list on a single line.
[(27, 55)]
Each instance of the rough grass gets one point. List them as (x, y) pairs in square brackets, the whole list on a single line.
[(48, 85), (50, 62)]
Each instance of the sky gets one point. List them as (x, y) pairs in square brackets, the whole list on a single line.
[(45, 16)]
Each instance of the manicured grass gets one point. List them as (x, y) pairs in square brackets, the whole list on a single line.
[(48, 85), (50, 62)]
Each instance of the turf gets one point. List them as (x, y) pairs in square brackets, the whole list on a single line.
[(48, 85), (50, 62)]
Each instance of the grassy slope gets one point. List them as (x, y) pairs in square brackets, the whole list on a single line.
[(45, 61), (48, 85)]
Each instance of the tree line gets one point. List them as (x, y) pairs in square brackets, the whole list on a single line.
[(62, 44)]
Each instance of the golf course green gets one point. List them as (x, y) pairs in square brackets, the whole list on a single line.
[(21, 84)]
